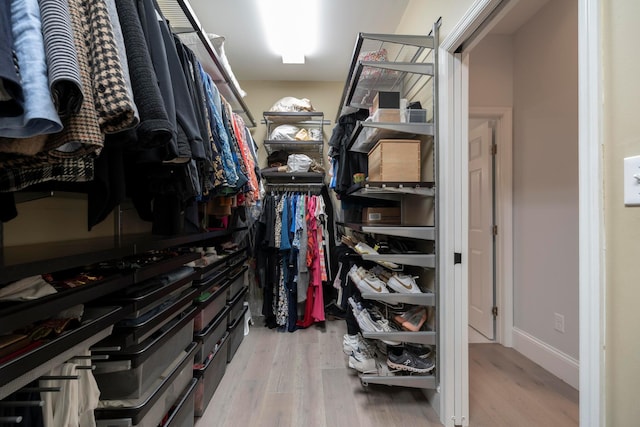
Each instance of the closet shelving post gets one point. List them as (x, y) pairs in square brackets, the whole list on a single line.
[(410, 70)]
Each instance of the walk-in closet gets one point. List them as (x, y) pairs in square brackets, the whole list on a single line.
[(254, 213)]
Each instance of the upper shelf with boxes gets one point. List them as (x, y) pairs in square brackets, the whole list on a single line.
[(392, 77), (298, 134)]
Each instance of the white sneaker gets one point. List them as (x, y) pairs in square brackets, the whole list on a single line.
[(354, 275), (357, 344), (362, 363), (372, 284), (404, 284), (356, 307), (367, 324)]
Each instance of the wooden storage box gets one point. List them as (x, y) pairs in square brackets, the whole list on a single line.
[(395, 160)]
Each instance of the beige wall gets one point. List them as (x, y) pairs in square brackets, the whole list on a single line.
[(261, 95), (621, 32), (53, 219), (64, 217), (491, 72), (421, 15)]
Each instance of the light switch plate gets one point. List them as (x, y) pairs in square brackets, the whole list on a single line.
[(632, 181)]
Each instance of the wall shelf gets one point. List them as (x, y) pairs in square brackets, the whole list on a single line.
[(294, 177), (312, 148), (420, 337), (17, 262), (425, 298), (406, 54), (367, 134), (15, 315), (312, 117), (393, 190), (414, 381), (27, 367), (412, 232)]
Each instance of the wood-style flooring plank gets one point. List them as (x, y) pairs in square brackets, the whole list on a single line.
[(507, 389), (309, 409), (339, 399), (302, 379)]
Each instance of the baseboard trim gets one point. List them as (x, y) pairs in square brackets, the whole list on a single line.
[(558, 363)]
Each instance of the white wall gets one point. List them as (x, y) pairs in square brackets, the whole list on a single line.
[(545, 181)]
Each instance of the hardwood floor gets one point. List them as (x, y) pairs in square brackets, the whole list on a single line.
[(302, 379), (507, 389)]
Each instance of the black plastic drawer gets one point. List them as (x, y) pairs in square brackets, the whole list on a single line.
[(210, 375), (236, 335), (237, 304), (211, 335), (237, 281)]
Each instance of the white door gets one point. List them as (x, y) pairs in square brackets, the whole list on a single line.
[(481, 239)]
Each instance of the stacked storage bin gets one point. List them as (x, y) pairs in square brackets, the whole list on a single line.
[(145, 375), (219, 283)]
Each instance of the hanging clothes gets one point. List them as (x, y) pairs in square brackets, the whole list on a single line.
[(101, 97), (39, 115), (292, 292)]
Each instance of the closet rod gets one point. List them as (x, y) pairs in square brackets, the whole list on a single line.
[(40, 389), (58, 377), (92, 357), (21, 403), (310, 184), (11, 420)]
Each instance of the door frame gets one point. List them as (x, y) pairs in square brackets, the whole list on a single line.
[(503, 203), (453, 123)]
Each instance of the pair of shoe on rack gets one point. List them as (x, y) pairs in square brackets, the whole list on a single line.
[(370, 320), (412, 319), (362, 354), (367, 282), (378, 281), (414, 359), (363, 249), (398, 282)]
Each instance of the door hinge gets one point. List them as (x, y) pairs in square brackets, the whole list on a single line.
[(494, 311), (495, 230), (494, 149), (457, 258)]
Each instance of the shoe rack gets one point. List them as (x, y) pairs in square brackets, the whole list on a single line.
[(409, 68)]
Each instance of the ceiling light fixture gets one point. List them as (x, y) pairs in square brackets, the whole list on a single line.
[(291, 27)]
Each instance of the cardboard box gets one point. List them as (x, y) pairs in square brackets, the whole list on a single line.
[(395, 160), (381, 215), (385, 100)]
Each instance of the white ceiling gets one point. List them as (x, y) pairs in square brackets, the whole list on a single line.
[(340, 22)]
